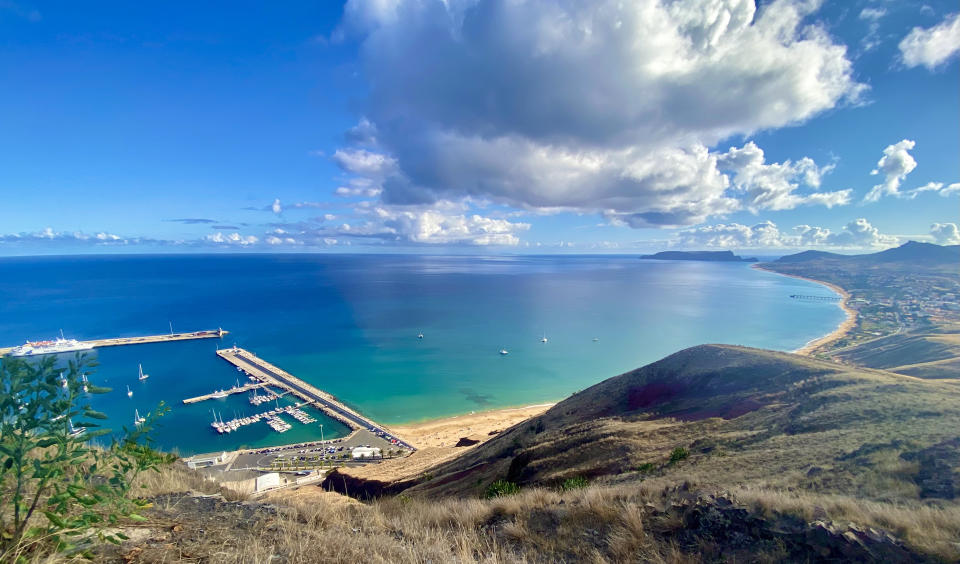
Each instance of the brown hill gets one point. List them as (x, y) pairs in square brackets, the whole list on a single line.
[(783, 430)]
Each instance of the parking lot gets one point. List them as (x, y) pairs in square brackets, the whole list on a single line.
[(316, 451)]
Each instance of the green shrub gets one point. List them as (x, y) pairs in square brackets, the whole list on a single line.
[(501, 488), (678, 454), (574, 483), (55, 486), (646, 467)]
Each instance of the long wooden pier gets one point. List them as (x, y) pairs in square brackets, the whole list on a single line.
[(274, 376), (118, 341)]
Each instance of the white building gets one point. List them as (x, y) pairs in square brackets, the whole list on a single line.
[(205, 460), (365, 452)]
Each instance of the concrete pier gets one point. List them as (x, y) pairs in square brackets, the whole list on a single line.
[(217, 394), (276, 377), (118, 341)]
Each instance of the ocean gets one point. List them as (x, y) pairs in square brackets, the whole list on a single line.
[(348, 324)]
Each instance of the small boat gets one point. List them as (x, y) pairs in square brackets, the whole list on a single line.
[(504, 352), (129, 392), (137, 418), (419, 335), (595, 339), (63, 381), (142, 376), (85, 382), (544, 339)]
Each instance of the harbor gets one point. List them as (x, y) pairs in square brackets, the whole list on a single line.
[(271, 375), (62, 345)]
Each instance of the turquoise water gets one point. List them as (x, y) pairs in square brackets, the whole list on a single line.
[(349, 325)]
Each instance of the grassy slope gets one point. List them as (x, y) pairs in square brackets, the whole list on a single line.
[(788, 430), (789, 439)]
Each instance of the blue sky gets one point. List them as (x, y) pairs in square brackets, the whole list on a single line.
[(477, 126)]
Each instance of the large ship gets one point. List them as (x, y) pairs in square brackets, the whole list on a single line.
[(60, 345)]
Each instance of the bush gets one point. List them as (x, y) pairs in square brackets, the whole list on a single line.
[(575, 483), (678, 454), (54, 486), (502, 488), (646, 467)]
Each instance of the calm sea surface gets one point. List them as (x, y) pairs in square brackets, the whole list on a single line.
[(349, 325)]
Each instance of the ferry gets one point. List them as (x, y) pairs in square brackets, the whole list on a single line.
[(60, 345)]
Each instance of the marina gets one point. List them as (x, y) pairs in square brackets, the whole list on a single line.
[(273, 376), (71, 345)]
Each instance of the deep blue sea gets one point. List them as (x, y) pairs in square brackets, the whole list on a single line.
[(349, 325)]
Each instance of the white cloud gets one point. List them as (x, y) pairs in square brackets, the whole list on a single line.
[(932, 47), (858, 234), (589, 106), (945, 233), (872, 14), (951, 189), (774, 186), (48, 234), (895, 165), (231, 239), (276, 207)]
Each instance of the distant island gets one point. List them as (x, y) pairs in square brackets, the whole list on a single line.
[(711, 256)]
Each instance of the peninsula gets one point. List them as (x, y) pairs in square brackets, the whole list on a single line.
[(710, 256)]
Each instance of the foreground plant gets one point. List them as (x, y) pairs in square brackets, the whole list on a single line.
[(56, 490)]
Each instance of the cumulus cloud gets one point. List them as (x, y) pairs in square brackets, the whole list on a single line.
[(933, 46), (48, 234), (775, 186), (590, 106), (231, 239), (276, 207), (858, 234), (444, 223), (895, 164), (945, 233)]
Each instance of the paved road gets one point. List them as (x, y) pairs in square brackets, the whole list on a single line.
[(361, 422)]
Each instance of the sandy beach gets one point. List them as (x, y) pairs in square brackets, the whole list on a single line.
[(436, 440), (475, 426), (845, 327)]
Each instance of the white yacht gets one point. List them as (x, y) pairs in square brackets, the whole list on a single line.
[(142, 375), (137, 418), (504, 352), (544, 339), (129, 392)]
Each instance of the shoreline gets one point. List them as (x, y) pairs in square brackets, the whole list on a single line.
[(842, 329), (479, 425)]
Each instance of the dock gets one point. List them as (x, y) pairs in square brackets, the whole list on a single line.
[(224, 393), (276, 377), (119, 341)]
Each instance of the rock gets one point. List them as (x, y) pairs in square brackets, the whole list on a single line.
[(465, 442)]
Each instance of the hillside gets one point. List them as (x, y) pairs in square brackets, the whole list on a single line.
[(715, 453), (792, 435)]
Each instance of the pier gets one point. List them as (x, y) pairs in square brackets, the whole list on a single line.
[(224, 393), (119, 341), (276, 377)]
